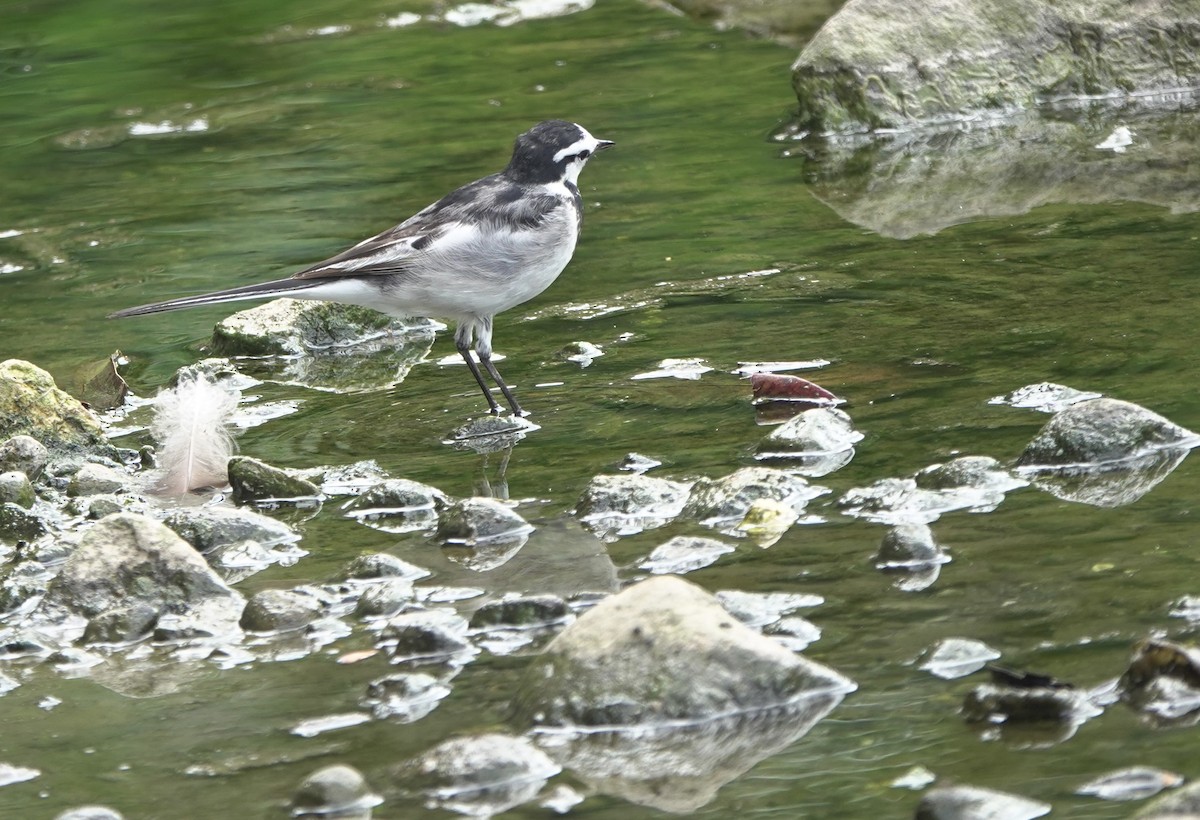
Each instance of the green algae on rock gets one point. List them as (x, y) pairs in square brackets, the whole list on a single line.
[(32, 404), (876, 65)]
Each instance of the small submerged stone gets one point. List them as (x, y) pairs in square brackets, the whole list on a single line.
[(384, 599), (329, 723), (909, 545), (966, 471), (16, 489), (281, 610), (793, 632), (334, 791), (684, 553), (346, 479), (373, 566), (490, 434), (767, 520), (10, 774), (90, 813), (521, 611), (427, 635), (480, 775), (471, 521), (727, 500), (816, 438), (24, 454), (910, 553), (1133, 783), (958, 657), (687, 369), (20, 524), (974, 803), (405, 697), (95, 479), (254, 480), (974, 483), (638, 463), (1187, 607), (760, 609), (398, 505), (994, 703), (916, 778), (1047, 397), (582, 353), (617, 505), (1163, 680), (211, 528), (509, 14)]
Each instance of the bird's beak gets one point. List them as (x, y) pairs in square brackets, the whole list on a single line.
[(605, 144)]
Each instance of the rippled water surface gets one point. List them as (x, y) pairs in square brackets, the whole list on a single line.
[(150, 152)]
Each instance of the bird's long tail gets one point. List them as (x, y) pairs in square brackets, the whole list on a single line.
[(263, 290)]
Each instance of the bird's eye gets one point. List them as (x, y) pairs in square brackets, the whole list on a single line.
[(584, 154)]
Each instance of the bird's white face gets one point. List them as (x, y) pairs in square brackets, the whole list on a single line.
[(578, 153)]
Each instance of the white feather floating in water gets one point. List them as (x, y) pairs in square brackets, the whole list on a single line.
[(191, 426)]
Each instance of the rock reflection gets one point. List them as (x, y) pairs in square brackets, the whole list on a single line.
[(923, 181), (680, 768), (491, 437), (1108, 484)]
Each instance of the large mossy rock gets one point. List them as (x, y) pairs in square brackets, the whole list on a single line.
[(665, 649), (289, 326), (877, 64), (31, 404)]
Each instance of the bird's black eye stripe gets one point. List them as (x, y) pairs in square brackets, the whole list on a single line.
[(584, 154)]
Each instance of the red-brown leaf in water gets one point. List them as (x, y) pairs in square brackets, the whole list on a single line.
[(781, 387)]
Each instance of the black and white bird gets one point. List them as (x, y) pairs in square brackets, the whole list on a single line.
[(482, 249)]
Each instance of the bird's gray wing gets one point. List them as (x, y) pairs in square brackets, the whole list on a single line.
[(492, 202)]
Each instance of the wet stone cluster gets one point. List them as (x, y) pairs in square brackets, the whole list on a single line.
[(98, 569)]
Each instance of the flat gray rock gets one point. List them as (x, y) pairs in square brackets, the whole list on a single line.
[(665, 650), (1103, 430)]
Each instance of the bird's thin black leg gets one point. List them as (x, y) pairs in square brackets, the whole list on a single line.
[(483, 346), (462, 341), (508, 394)]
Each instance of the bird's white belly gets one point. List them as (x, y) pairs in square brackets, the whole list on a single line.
[(485, 272)]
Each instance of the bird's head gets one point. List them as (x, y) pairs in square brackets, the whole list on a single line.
[(553, 151)]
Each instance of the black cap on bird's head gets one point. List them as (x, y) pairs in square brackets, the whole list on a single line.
[(551, 151)]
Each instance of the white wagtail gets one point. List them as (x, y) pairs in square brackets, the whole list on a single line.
[(486, 247)]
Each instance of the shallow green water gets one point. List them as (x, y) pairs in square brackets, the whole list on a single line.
[(313, 141)]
